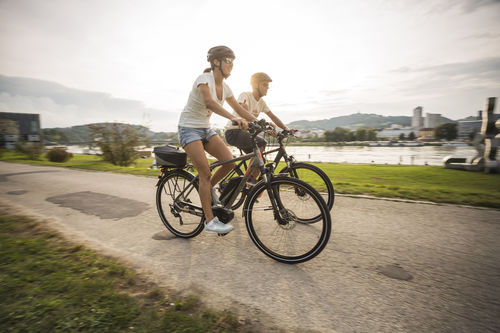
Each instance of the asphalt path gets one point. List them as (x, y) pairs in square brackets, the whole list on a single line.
[(389, 266)]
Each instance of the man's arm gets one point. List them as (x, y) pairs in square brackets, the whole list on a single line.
[(240, 109)]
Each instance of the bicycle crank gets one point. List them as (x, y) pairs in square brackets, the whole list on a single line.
[(224, 214)]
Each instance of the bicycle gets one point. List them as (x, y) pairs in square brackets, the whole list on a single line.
[(278, 223), (299, 170)]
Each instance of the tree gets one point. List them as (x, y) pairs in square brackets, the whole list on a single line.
[(361, 134), (351, 136), (56, 135), (372, 135), (411, 136), (446, 131), (402, 136), (118, 142), (337, 135)]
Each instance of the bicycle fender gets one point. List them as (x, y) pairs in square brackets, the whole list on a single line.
[(180, 171)]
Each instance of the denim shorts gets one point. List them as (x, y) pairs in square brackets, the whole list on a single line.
[(188, 134)]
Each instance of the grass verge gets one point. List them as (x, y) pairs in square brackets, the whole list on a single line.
[(428, 183), (51, 285)]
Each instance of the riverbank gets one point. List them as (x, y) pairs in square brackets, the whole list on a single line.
[(375, 144), (427, 183), (357, 154)]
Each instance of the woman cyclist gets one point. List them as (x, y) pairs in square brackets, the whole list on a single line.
[(207, 96)]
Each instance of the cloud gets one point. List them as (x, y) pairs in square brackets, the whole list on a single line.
[(60, 106), (443, 78), (487, 36), (470, 6), (465, 6), (487, 69)]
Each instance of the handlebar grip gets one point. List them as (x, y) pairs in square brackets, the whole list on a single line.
[(235, 125)]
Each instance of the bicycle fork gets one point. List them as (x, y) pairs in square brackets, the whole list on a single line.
[(281, 214)]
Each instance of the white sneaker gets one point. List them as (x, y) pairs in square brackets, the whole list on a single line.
[(217, 227)]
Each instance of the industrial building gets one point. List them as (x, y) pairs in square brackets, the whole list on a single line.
[(19, 127)]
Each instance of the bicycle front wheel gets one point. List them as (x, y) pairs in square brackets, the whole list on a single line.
[(176, 216), (273, 220)]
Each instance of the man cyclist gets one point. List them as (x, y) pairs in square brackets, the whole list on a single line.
[(254, 104)]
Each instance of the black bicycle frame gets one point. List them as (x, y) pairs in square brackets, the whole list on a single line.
[(281, 150), (196, 210)]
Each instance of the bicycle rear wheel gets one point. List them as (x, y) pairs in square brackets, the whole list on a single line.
[(179, 222), (280, 234), (314, 176)]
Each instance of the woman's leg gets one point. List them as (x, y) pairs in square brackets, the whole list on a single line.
[(218, 149), (196, 153)]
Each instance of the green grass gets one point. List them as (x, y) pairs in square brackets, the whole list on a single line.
[(429, 183), (51, 285), (86, 162)]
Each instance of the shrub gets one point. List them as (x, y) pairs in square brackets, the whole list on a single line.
[(32, 150), (59, 155), (118, 142)]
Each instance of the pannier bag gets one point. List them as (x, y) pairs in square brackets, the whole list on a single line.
[(170, 156)]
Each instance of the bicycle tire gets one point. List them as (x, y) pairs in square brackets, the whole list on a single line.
[(285, 241), (324, 182), (180, 223)]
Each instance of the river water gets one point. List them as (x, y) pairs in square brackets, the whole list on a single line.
[(430, 155)]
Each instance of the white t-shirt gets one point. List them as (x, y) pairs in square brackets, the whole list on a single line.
[(195, 113), (254, 107)]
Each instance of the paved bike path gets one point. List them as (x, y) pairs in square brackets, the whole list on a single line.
[(389, 266)]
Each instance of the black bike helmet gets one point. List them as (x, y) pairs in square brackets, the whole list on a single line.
[(219, 52)]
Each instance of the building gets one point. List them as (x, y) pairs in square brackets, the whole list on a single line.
[(417, 122), (432, 120), (28, 128), (426, 134), (467, 129), (312, 133), (395, 131)]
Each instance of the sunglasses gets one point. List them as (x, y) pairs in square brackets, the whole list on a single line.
[(228, 60)]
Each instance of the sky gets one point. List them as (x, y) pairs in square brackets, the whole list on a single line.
[(83, 61)]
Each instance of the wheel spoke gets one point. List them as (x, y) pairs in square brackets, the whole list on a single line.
[(179, 222), (286, 238)]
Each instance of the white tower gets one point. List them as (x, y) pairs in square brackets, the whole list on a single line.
[(417, 122), (432, 120)]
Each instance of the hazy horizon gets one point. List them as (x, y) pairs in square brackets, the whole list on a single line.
[(135, 61)]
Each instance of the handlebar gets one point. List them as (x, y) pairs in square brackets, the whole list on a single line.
[(257, 126)]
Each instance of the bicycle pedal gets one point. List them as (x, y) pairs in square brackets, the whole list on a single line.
[(220, 235)]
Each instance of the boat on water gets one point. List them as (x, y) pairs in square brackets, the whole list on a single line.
[(395, 144), (455, 144)]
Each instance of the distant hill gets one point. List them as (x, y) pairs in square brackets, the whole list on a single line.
[(79, 134), (357, 120)]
